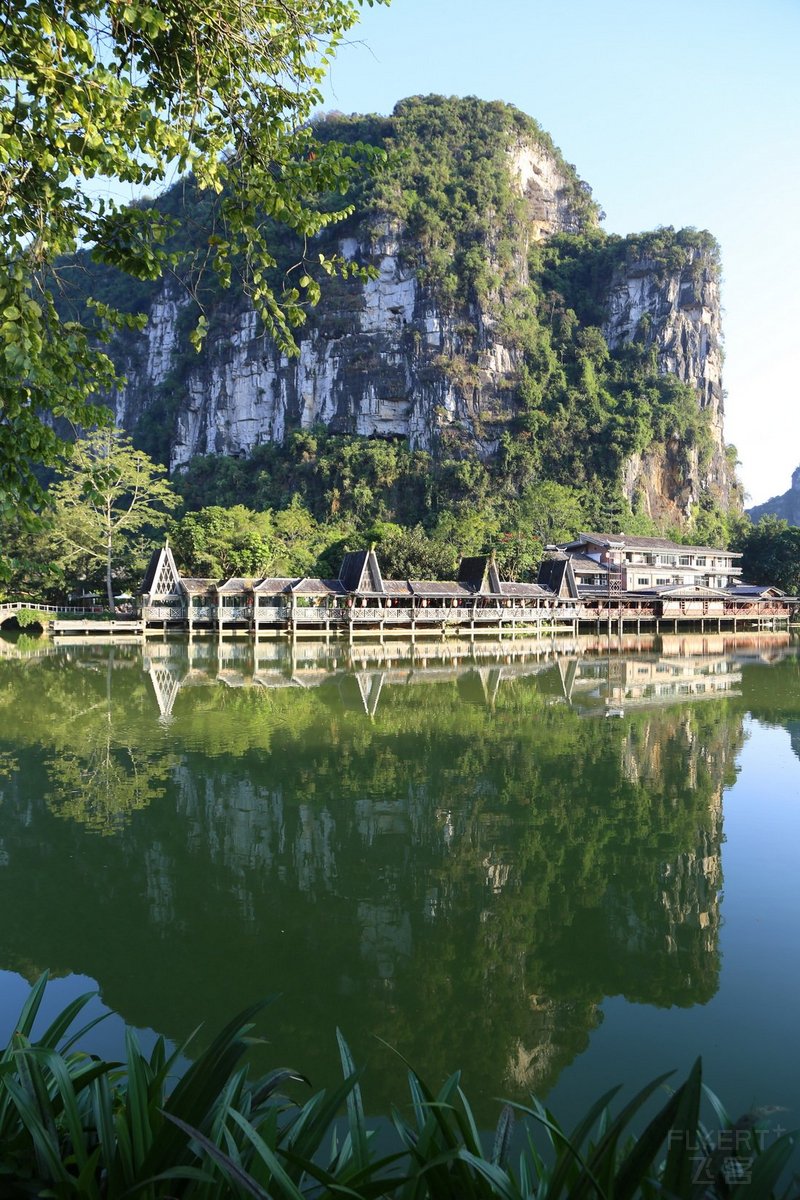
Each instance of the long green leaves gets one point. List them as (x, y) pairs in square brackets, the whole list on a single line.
[(75, 1126)]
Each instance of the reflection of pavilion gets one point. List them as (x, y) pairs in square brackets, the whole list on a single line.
[(618, 684), (173, 666), (166, 681), (595, 676)]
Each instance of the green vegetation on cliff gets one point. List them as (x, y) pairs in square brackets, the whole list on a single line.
[(569, 414)]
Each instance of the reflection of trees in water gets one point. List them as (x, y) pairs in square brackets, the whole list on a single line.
[(468, 879), (104, 783), (504, 917), (103, 770)]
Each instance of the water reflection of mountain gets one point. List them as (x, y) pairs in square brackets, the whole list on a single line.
[(467, 872)]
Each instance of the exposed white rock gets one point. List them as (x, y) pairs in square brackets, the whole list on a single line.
[(542, 181), (161, 333), (349, 248), (381, 358), (317, 370), (432, 329), (389, 300), (682, 320)]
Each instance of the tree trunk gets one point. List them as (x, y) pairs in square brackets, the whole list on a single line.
[(109, 581)]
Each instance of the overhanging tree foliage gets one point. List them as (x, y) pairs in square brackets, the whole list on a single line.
[(139, 93)]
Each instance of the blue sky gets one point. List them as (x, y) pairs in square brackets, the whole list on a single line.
[(675, 114)]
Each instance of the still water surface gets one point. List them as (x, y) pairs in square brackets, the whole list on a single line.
[(555, 865)]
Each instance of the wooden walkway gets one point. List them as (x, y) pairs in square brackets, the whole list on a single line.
[(118, 628), (563, 615)]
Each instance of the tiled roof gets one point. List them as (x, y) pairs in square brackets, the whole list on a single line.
[(274, 585), (557, 575), (198, 586), (472, 571), (438, 587), (680, 589), (635, 541), (318, 587), (150, 573), (351, 568), (582, 562), (534, 590), (236, 585), (754, 589)]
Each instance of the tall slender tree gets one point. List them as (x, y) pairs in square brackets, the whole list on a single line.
[(109, 495)]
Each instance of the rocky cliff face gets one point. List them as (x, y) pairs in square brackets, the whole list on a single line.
[(677, 312), (380, 359), (786, 506), (391, 357)]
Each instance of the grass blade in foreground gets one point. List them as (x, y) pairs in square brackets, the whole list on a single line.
[(73, 1126)]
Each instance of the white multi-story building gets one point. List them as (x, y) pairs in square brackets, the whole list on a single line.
[(637, 564)]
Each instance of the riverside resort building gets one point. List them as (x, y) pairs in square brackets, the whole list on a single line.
[(597, 579)]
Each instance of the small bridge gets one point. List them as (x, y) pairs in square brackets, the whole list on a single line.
[(10, 608)]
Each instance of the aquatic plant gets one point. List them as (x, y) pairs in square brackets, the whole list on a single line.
[(74, 1125)]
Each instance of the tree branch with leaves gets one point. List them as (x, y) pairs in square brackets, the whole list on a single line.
[(140, 93)]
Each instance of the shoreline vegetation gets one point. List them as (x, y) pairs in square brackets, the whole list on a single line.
[(73, 1124)]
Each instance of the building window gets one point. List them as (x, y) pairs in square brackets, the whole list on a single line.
[(642, 581), (685, 560)]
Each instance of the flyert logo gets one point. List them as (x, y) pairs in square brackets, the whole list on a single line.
[(726, 1155)]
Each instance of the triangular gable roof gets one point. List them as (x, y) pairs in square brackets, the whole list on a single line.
[(472, 571), (557, 574), (360, 572), (161, 577), (479, 572)]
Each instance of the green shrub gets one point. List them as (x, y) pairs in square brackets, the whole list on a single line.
[(31, 616)]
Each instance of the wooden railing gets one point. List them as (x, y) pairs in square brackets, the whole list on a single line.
[(164, 612), (439, 615), (11, 606)]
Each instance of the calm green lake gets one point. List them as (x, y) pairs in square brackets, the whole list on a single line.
[(556, 865)]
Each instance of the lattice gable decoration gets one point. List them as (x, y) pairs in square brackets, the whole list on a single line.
[(166, 685), (165, 580)]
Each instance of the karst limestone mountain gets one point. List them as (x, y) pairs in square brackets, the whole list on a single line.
[(498, 313)]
